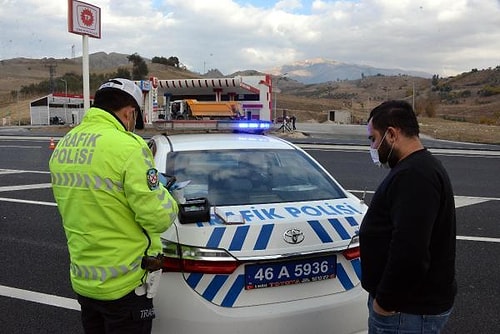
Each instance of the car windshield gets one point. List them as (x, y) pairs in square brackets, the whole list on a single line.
[(246, 177)]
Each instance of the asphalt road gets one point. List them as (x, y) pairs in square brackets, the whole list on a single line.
[(35, 293)]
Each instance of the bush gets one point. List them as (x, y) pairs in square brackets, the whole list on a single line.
[(489, 91), (430, 110), (487, 121)]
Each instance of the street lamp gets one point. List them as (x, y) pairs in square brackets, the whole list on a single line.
[(65, 97), (277, 90), (205, 64), (18, 111), (413, 96)]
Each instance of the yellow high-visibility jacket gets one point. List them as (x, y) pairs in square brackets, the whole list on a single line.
[(112, 206)]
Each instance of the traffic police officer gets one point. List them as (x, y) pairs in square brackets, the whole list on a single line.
[(113, 210)]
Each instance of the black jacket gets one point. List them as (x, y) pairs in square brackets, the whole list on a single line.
[(407, 238)]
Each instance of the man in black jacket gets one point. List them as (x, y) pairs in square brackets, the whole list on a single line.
[(407, 237)]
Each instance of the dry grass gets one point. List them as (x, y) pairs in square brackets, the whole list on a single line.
[(460, 131), (308, 110)]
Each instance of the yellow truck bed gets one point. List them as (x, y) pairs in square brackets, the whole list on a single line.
[(212, 109)]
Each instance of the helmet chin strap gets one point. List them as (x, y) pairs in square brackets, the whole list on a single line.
[(130, 118)]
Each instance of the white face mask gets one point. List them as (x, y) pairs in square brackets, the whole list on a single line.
[(375, 156)]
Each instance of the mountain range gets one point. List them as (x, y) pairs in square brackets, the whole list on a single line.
[(310, 71), (320, 70)]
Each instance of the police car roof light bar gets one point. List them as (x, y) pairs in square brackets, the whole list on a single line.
[(255, 126)]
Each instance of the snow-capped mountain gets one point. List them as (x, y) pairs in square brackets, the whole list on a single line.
[(320, 70)]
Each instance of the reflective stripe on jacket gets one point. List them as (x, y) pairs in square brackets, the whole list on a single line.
[(112, 207)]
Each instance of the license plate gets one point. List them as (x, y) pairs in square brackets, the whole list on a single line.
[(273, 274)]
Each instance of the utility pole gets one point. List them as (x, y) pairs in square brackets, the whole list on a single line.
[(65, 97), (205, 64), (18, 111), (413, 97), (277, 90)]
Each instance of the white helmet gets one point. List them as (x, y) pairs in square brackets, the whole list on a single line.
[(133, 90)]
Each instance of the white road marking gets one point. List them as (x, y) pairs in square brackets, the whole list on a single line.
[(460, 201), (19, 146), (438, 151), (25, 201), (30, 138), (17, 171), (26, 187), (41, 298), (460, 237)]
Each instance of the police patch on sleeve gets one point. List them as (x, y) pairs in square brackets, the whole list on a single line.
[(152, 178)]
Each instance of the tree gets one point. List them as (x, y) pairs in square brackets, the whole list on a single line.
[(139, 67), (159, 60), (435, 80), (173, 61), (123, 72)]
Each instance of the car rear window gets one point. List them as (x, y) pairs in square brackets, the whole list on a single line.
[(245, 177)]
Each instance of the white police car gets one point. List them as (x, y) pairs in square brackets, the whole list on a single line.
[(278, 253)]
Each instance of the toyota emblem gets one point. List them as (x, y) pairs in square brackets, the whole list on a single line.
[(293, 236)]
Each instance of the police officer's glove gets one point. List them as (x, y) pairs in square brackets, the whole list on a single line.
[(178, 195), (177, 191)]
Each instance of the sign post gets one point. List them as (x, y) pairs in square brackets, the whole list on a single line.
[(84, 19)]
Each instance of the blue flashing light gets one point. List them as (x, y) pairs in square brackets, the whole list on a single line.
[(245, 125), (253, 125)]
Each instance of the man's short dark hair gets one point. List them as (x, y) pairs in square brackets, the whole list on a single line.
[(112, 100), (396, 113)]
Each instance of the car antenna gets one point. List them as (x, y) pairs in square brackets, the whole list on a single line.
[(362, 201)]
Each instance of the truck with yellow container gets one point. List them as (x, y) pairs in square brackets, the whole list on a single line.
[(204, 110)]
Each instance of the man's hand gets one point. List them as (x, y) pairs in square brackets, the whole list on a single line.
[(379, 310)]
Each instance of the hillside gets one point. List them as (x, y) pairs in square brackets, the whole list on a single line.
[(462, 97), (465, 107), (18, 72)]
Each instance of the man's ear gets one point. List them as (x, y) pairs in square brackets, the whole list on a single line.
[(392, 133)]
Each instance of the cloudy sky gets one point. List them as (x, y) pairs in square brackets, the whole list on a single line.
[(444, 37)]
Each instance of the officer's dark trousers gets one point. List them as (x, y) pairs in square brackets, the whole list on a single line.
[(129, 314)]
